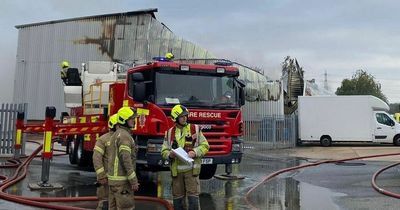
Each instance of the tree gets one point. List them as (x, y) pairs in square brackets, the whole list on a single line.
[(361, 83)]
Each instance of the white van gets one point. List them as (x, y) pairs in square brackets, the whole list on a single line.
[(328, 119)]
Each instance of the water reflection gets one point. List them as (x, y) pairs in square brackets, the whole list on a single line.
[(281, 193)]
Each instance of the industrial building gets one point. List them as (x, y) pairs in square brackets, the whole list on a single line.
[(132, 37)]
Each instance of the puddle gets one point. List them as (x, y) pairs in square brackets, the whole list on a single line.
[(290, 194), (313, 197)]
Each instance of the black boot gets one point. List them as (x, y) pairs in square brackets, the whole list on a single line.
[(193, 202), (178, 204)]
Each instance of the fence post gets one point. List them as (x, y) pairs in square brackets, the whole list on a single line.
[(294, 136), (23, 108), (18, 136), (47, 153)]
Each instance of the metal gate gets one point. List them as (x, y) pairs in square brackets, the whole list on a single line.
[(8, 116), (271, 132)]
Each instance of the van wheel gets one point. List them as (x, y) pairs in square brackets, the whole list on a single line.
[(299, 142), (326, 141), (396, 140)]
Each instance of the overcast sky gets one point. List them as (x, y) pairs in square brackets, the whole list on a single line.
[(336, 36)]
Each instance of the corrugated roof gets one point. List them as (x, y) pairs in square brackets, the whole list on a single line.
[(138, 12)]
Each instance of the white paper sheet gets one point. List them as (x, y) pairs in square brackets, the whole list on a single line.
[(183, 155)]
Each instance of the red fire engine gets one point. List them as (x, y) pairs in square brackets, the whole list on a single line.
[(212, 93)]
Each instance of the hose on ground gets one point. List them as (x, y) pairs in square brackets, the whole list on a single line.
[(20, 173), (379, 189), (276, 173)]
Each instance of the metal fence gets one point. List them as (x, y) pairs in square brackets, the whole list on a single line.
[(8, 116), (271, 132)]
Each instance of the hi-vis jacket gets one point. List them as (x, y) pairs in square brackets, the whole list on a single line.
[(122, 159), (199, 145), (100, 155)]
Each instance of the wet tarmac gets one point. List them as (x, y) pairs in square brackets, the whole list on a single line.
[(328, 187)]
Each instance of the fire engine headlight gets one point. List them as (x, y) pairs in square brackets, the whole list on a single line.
[(237, 147), (154, 147), (235, 160), (220, 70), (184, 68)]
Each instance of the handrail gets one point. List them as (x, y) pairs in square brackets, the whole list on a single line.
[(91, 93)]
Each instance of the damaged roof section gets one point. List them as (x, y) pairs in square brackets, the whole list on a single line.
[(150, 11)]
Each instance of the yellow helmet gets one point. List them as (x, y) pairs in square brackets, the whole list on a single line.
[(169, 56), (178, 111), (124, 114), (64, 64), (112, 121)]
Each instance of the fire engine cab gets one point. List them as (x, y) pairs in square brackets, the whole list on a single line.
[(212, 93)]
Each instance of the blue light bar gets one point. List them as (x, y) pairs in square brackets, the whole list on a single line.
[(162, 59)]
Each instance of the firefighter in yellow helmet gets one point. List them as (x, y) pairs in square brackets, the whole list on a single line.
[(122, 163), (169, 56), (64, 69), (100, 162), (185, 176)]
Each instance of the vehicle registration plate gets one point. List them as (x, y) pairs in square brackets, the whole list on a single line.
[(206, 161)]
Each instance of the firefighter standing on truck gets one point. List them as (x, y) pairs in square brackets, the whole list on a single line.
[(64, 70), (121, 173), (185, 177), (100, 162)]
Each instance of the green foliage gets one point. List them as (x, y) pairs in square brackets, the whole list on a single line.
[(394, 108), (361, 83)]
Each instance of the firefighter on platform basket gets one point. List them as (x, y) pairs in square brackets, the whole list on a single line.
[(185, 176), (121, 173), (64, 69), (70, 76), (100, 162)]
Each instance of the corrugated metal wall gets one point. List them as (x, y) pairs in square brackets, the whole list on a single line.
[(128, 38)]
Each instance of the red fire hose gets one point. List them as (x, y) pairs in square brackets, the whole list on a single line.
[(276, 173), (20, 173)]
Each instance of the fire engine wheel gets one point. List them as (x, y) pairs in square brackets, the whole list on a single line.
[(71, 145), (208, 171), (83, 157)]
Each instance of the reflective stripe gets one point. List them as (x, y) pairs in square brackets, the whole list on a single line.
[(169, 137), (117, 178), (133, 175), (124, 147), (184, 167), (18, 137), (98, 149), (116, 165), (181, 167), (187, 167), (100, 170), (197, 130), (47, 141)]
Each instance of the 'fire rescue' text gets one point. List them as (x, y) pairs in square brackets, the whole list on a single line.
[(205, 114)]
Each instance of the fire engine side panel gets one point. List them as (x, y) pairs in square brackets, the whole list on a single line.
[(116, 97)]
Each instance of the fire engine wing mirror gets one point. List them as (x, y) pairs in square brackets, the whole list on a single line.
[(241, 84), (139, 91), (137, 77), (139, 87), (242, 98)]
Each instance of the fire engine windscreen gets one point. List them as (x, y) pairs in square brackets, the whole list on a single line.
[(196, 90)]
